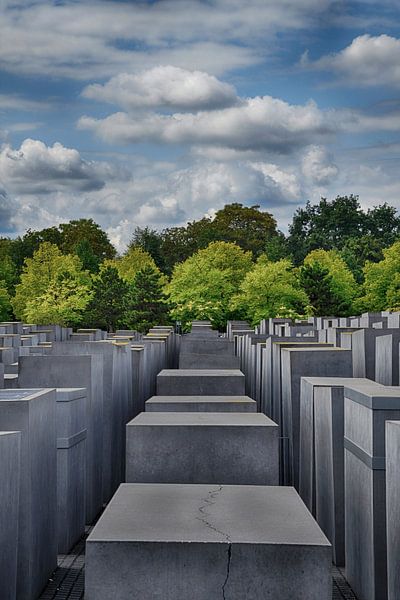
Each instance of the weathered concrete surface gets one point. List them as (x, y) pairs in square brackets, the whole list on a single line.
[(364, 353), (199, 382), (225, 448), (205, 361), (207, 542), (393, 507), (33, 413), (10, 458), (387, 359), (201, 404)]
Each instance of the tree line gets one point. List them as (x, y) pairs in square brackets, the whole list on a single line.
[(336, 259)]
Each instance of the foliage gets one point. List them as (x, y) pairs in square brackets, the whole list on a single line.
[(146, 303), (381, 285), (357, 251), (270, 289), (329, 225), (5, 304), (8, 270), (150, 241), (75, 231), (317, 282), (202, 287), (108, 301), (63, 302), (90, 262), (342, 283), (47, 266), (133, 261)]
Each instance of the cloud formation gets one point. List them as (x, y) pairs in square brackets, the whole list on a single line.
[(37, 168), (318, 167), (164, 87), (258, 123), (368, 61)]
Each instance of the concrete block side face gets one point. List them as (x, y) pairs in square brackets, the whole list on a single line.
[(306, 459), (206, 571), (393, 507), (199, 385), (195, 455), (201, 406), (10, 456)]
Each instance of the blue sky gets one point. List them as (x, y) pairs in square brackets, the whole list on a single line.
[(156, 113)]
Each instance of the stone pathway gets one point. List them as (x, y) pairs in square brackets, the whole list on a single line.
[(68, 579)]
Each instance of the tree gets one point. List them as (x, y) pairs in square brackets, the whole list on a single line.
[(317, 283), (381, 283), (8, 269), (89, 260), (270, 289), (5, 304), (108, 301), (75, 231), (64, 301), (356, 251), (150, 241), (343, 286), (203, 286), (25, 246), (146, 302), (133, 261), (40, 272)]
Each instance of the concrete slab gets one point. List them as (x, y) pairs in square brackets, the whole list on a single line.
[(201, 404), (208, 361), (223, 448), (393, 507), (194, 382), (206, 543)]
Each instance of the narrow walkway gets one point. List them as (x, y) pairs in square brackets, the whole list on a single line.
[(68, 581)]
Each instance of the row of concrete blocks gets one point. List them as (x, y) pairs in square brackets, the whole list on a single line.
[(77, 464), (350, 478), (201, 515)]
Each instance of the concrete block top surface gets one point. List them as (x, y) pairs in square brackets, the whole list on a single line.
[(374, 395), (70, 394), (336, 381), (10, 395), (206, 419), (202, 399), (207, 513), (200, 373)]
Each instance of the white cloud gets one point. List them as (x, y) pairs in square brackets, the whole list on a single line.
[(16, 102), (164, 86), (98, 39), (318, 166), (367, 61), (258, 123), (37, 168)]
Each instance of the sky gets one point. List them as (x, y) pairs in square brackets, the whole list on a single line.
[(157, 113)]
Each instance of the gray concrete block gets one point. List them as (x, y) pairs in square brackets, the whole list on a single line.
[(33, 413), (201, 404), (221, 448), (76, 371), (207, 543), (10, 457), (71, 466), (363, 349), (366, 411), (393, 507), (387, 359), (191, 345), (208, 361), (297, 363), (198, 382)]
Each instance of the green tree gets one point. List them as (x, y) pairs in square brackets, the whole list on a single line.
[(8, 269), (317, 283), (150, 241), (108, 301), (341, 280), (202, 287), (75, 231), (64, 301), (40, 272), (381, 282), (270, 289), (356, 251), (133, 261), (89, 260), (5, 304), (146, 302), (25, 246)]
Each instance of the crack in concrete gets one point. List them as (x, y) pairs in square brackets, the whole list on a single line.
[(210, 501)]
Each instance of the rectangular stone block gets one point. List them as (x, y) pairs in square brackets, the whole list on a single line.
[(208, 361), (10, 457), (191, 345), (387, 359), (366, 410), (33, 413), (207, 543), (200, 382), (71, 466), (297, 363), (393, 507), (225, 448), (76, 371), (201, 404), (364, 351)]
